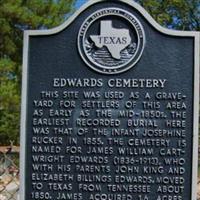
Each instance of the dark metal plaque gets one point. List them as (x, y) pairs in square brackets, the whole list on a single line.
[(109, 108)]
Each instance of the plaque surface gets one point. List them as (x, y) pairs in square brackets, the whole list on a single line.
[(109, 108)]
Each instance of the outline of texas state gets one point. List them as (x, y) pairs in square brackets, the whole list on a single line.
[(113, 38)]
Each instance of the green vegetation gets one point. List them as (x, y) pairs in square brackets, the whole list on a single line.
[(174, 14), (16, 16)]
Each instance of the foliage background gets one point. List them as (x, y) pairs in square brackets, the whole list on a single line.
[(15, 17), (19, 15)]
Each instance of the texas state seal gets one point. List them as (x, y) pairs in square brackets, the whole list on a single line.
[(111, 41)]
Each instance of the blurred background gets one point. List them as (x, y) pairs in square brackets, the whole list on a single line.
[(19, 15)]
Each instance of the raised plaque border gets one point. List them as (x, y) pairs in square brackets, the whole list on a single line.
[(144, 13)]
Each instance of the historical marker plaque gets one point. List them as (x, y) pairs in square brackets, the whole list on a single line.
[(110, 108)]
